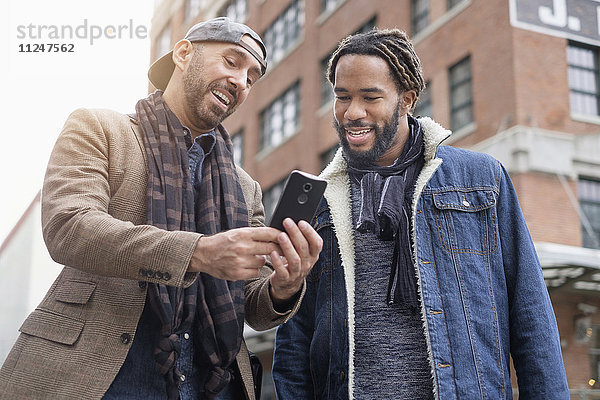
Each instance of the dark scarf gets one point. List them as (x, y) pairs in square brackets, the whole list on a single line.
[(386, 201), (216, 305)]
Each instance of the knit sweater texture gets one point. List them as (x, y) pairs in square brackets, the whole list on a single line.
[(390, 354)]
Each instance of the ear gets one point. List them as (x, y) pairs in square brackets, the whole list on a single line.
[(408, 99), (182, 53)]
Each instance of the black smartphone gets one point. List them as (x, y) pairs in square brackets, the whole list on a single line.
[(301, 195)]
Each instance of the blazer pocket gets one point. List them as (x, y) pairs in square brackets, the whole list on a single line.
[(74, 292), (52, 326)]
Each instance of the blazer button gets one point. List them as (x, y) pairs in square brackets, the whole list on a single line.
[(142, 272), (142, 284), (166, 276), (150, 273), (125, 338), (158, 275), (342, 376)]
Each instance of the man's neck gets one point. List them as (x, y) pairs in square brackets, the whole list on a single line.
[(175, 104)]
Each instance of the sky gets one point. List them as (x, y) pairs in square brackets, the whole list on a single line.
[(110, 43)]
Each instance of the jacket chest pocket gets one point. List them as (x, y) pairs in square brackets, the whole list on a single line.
[(465, 221)]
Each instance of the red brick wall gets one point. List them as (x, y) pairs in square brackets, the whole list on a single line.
[(550, 215)]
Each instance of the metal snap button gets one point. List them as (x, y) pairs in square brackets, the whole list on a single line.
[(125, 338)]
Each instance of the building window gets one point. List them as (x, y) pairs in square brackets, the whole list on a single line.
[(327, 5), (423, 106), (235, 10), (326, 89), (452, 3), (589, 201), (270, 198), (419, 15), (192, 9), (237, 143), (284, 32), (281, 118), (461, 97), (584, 78), (163, 44)]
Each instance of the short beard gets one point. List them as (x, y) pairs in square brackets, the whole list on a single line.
[(196, 89), (384, 139)]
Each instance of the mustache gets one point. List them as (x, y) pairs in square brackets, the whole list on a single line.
[(354, 124)]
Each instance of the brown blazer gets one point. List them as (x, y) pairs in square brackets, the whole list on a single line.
[(93, 214)]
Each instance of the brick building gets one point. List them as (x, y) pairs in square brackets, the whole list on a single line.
[(518, 79)]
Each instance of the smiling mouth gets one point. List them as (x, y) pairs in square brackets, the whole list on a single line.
[(359, 133), (222, 98)]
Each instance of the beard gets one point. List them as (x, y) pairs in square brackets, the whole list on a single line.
[(384, 139), (197, 92)]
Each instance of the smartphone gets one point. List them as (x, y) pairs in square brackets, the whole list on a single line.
[(301, 195)]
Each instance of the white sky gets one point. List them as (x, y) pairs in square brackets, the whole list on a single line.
[(41, 89)]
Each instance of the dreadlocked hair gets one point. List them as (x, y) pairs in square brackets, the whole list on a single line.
[(393, 46)]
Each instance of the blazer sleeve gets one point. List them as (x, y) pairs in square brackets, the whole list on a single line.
[(78, 228)]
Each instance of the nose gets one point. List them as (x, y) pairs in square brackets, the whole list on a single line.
[(355, 111), (238, 80)]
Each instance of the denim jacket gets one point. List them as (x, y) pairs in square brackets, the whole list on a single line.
[(479, 278)]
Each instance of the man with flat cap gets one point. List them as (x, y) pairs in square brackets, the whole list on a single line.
[(163, 242)]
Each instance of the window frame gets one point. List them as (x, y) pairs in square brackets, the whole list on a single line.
[(450, 4), (226, 10), (419, 20), (572, 69), (456, 85), (589, 199), (281, 30), (278, 106), (424, 102), (237, 146)]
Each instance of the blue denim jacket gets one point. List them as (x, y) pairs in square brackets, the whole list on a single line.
[(479, 278)]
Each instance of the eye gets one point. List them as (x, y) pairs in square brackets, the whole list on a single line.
[(371, 98), (342, 98), (230, 61)]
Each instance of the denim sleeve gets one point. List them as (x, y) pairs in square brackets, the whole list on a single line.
[(291, 357), (534, 338)]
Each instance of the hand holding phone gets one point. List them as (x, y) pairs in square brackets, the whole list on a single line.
[(300, 198)]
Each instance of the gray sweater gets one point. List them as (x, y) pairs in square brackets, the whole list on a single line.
[(390, 354)]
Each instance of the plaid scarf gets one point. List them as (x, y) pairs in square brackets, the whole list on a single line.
[(386, 201), (216, 305)]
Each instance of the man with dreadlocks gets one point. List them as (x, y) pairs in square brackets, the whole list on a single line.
[(163, 242), (428, 281)]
